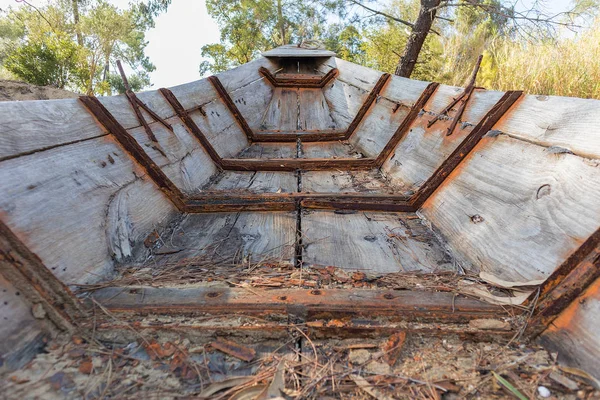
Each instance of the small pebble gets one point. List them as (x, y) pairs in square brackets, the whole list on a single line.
[(544, 392)]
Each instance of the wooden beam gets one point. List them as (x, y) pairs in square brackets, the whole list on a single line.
[(450, 164), (191, 125), (131, 146), (309, 304), (322, 136), (406, 123), (222, 92), (363, 204), (299, 80), (567, 282), (293, 164)]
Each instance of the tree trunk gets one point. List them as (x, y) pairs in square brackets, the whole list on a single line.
[(75, 5), (280, 22), (417, 38)]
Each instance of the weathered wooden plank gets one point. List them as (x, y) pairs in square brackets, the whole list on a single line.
[(331, 150), (378, 127), (252, 101), (120, 107), (353, 74), (221, 129), (344, 101), (77, 207), (238, 77), (269, 151), (575, 335), (282, 112), (371, 181), (423, 150), (239, 182), (19, 327), (372, 242), (314, 112), (180, 156), (28, 126), (565, 122), (403, 90), (517, 210), (396, 305), (228, 237)]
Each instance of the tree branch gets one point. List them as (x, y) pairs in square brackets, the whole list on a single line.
[(388, 16)]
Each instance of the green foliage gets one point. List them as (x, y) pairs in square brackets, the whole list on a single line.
[(49, 61), (249, 27), (75, 43)]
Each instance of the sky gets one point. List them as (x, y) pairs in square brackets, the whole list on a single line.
[(174, 43)]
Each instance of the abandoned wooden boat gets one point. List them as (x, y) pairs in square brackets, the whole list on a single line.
[(305, 165)]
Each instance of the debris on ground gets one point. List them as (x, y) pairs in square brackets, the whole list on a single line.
[(401, 366)]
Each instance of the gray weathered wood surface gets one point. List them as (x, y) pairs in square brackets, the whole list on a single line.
[(372, 242), (423, 149), (227, 237), (27, 126), (566, 122), (517, 210), (79, 206), (248, 182), (575, 335), (371, 181)]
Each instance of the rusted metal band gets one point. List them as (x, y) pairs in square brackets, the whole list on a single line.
[(231, 106), (191, 125), (367, 104), (314, 82), (565, 284), (484, 126), (322, 136), (406, 123), (364, 204), (338, 303), (293, 164), (106, 119)]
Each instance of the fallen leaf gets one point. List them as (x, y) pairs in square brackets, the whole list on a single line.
[(393, 347), (86, 367)]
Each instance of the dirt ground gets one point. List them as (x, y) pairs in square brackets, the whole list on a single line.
[(398, 367), (14, 90)]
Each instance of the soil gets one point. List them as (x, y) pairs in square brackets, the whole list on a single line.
[(399, 367), (18, 91)]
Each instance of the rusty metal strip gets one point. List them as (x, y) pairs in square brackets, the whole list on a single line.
[(365, 204), (191, 125), (465, 96), (421, 306), (231, 106), (565, 284), (224, 203), (293, 164), (105, 118), (26, 271), (299, 81), (406, 123), (228, 202), (137, 103), (322, 136), (486, 123), (367, 105)]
